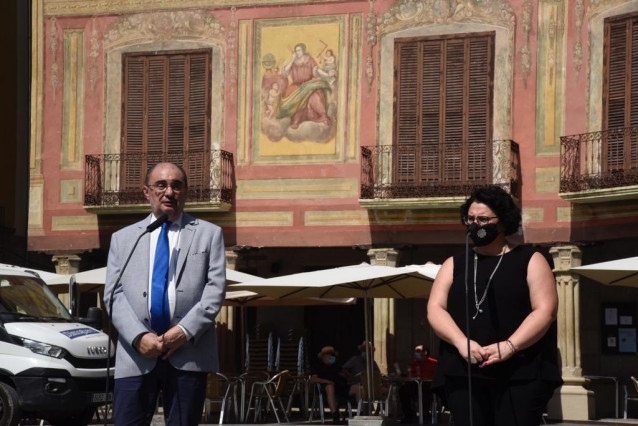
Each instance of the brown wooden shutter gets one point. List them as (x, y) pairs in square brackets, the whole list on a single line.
[(166, 111), (198, 118), (443, 91), (620, 94), (479, 111), (454, 105), (406, 111), (133, 120), (431, 97)]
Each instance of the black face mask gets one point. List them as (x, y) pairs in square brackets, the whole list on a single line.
[(483, 235)]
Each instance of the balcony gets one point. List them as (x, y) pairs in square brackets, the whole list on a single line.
[(426, 176), (600, 166), (113, 182)]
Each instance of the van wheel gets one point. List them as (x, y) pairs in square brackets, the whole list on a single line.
[(10, 411), (80, 419)]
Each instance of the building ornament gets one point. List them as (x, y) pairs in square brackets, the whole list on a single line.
[(94, 53), (164, 26), (579, 8), (55, 68), (371, 30), (108, 7), (526, 61), (408, 13), (231, 41), (596, 12)]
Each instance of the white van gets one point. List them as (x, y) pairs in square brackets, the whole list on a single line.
[(52, 366)]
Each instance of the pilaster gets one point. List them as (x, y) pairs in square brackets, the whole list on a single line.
[(225, 323), (572, 401), (383, 318), (66, 264)]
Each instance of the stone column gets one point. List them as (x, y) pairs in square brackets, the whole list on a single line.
[(383, 318), (67, 264), (225, 323), (572, 401)]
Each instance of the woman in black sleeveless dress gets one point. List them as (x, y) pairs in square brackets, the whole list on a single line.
[(512, 319)]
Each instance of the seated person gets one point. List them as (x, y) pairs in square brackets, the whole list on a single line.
[(356, 366), (421, 366), (331, 378)]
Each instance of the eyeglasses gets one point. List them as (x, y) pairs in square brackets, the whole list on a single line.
[(479, 220), (161, 187)]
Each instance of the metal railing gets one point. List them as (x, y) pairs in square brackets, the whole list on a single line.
[(117, 179), (599, 160), (425, 171)]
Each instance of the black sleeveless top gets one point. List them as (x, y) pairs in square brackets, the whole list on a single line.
[(506, 305)]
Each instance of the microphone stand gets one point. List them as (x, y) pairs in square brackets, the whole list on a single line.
[(150, 228), (467, 324)]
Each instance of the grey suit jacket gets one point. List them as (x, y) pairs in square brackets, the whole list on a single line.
[(199, 292)]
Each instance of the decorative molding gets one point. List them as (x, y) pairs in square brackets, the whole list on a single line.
[(73, 101), (354, 87), (579, 8), (596, 13), (371, 29), (109, 7), (550, 76), (526, 61), (596, 7), (428, 18), (408, 13), (94, 53), (231, 45), (55, 68), (164, 26), (284, 189)]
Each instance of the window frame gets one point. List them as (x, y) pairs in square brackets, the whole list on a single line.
[(441, 150)]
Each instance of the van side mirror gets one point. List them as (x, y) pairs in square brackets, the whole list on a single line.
[(93, 318)]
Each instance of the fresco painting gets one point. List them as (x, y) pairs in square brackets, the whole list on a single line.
[(298, 80)]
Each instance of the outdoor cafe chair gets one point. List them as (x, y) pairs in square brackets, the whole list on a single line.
[(317, 398), (627, 396), (223, 390), (272, 390), (380, 394)]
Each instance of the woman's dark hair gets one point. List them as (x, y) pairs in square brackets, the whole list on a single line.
[(495, 197)]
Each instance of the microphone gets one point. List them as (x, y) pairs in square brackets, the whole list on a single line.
[(150, 228), (470, 229), (157, 223)]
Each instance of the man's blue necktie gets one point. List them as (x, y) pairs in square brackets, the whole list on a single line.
[(160, 311)]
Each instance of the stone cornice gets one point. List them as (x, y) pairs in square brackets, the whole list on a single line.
[(598, 6), (160, 26), (408, 13), (106, 7)]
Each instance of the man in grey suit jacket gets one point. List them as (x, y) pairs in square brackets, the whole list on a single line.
[(175, 358)]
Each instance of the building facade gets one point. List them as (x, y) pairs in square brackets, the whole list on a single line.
[(327, 133)]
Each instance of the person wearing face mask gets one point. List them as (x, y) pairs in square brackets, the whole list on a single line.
[(332, 378), (513, 302), (355, 366), (423, 366)]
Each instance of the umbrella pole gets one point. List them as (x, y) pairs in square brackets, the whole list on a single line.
[(242, 315), (366, 320)]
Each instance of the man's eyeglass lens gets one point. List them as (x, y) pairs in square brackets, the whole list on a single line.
[(479, 220), (160, 187)]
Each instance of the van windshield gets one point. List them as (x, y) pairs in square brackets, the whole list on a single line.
[(26, 299)]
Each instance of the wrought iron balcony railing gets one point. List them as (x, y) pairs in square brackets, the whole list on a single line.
[(426, 171), (116, 179), (599, 160)]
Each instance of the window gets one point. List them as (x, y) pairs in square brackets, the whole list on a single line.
[(620, 93), (166, 113), (443, 108)]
